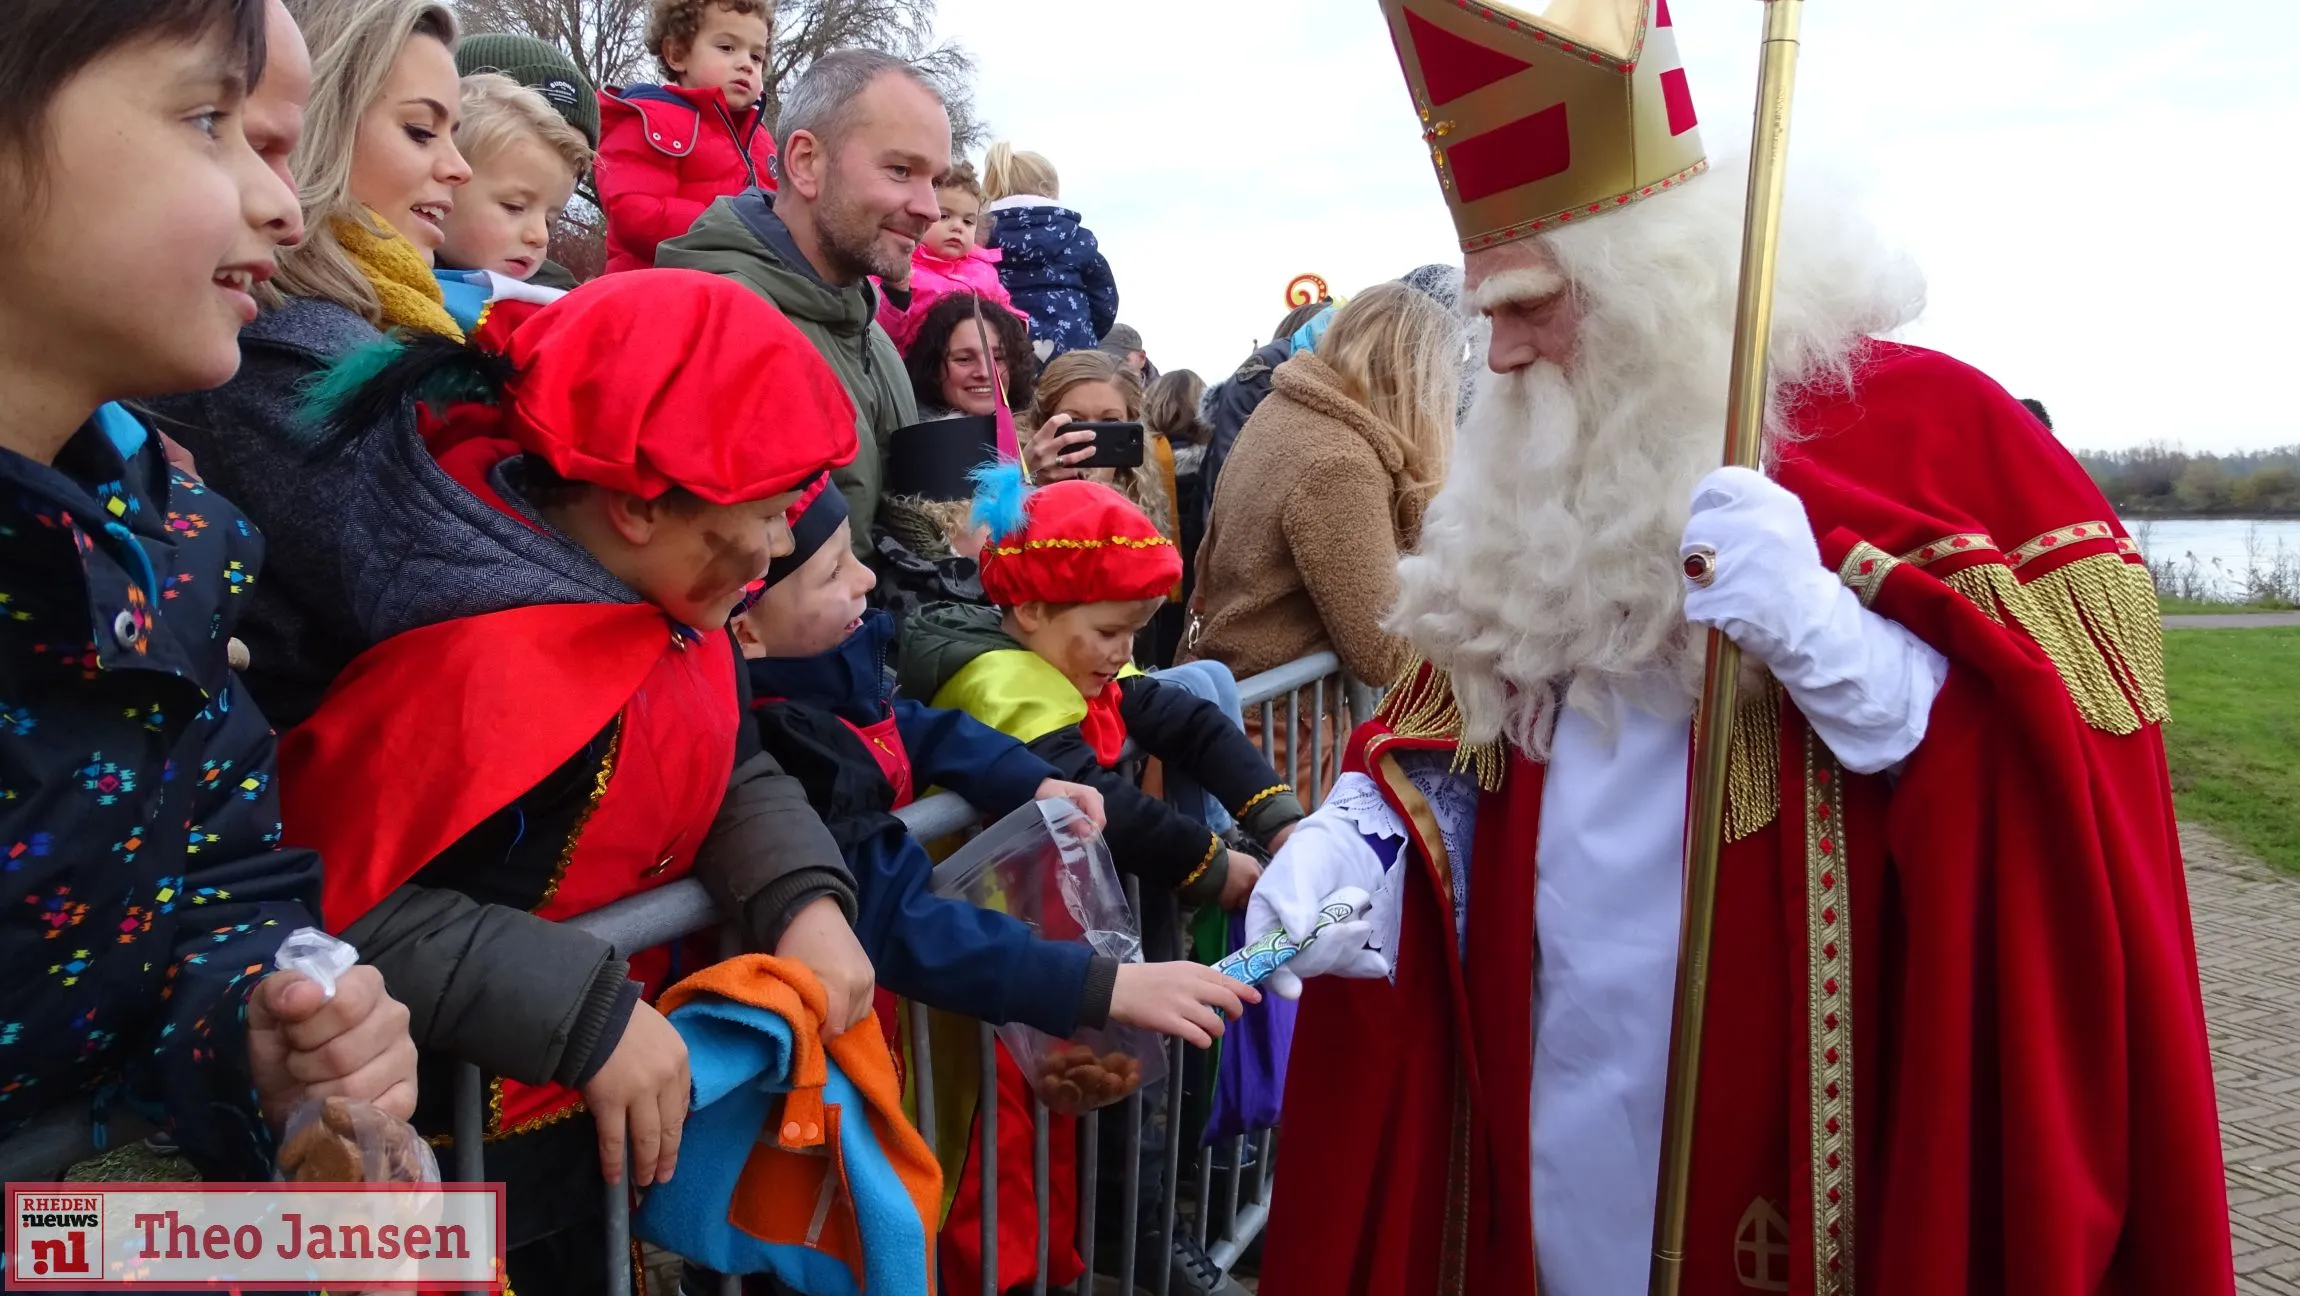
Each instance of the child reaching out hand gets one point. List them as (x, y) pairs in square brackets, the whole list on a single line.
[(826, 710)]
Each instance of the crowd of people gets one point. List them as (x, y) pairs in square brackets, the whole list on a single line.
[(365, 570), (369, 572)]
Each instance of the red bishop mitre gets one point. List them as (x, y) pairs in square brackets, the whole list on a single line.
[(651, 379), (1534, 121), (1082, 542)]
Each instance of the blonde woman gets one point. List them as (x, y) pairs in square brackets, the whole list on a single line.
[(1326, 488), (1092, 387), (376, 171)]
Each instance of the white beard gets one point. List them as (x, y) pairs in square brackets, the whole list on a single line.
[(1548, 571)]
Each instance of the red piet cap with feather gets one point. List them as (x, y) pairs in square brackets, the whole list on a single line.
[(1071, 542), (650, 379)]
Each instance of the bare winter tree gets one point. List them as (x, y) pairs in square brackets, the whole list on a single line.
[(607, 39), (805, 30)]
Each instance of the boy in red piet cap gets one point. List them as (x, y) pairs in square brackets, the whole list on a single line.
[(552, 717), (1075, 570)]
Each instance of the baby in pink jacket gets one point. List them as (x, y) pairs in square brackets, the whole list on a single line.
[(946, 260)]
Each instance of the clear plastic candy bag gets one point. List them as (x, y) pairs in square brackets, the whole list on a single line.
[(1046, 865), (336, 1140)]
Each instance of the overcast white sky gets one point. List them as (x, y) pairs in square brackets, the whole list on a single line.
[(2096, 188)]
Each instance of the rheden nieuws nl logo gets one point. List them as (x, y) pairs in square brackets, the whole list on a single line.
[(255, 1237), (61, 1235)]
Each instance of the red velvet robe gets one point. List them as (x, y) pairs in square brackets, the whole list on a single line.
[(1954, 1039)]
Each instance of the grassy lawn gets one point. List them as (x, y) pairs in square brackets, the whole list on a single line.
[(2234, 739), (2168, 606)]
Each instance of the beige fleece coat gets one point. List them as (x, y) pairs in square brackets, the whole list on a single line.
[(1301, 551)]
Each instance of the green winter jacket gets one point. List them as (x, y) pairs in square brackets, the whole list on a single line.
[(743, 239)]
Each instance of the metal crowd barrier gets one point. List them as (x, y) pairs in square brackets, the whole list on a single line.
[(1315, 685)]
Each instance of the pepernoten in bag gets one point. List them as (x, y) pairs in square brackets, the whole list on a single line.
[(1046, 865), (336, 1140)]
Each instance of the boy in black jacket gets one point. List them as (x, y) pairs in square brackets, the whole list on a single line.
[(1075, 571)]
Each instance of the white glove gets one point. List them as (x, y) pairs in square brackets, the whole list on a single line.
[(1324, 854), (1865, 683)]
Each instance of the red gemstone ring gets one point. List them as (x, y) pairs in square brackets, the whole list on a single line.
[(1700, 565)]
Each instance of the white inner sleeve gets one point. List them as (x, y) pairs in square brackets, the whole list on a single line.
[(1866, 684)]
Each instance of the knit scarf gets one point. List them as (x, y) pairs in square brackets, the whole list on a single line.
[(403, 283)]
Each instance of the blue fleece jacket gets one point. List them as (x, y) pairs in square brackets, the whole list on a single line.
[(941, 952)]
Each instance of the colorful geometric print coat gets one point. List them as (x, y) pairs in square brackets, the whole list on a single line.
[(142, 891)]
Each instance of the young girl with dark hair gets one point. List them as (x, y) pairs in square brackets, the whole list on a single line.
[(949, 372), (138, 818), (923, 550)]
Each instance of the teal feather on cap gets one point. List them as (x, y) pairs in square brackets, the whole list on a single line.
[(1001, 498), (326, 393)]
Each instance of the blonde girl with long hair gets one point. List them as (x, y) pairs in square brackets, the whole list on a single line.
[(1398, 354), (1325, 489), (376, 168)]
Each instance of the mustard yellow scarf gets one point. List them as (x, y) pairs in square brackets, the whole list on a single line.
[(403, 283)]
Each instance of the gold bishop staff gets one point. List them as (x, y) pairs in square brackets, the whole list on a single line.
[(1705, 817)]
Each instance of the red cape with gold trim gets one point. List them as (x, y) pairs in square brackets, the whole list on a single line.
[(1954, 1040), (430, 732)]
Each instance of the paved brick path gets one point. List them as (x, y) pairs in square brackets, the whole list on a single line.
[(2248, 950)]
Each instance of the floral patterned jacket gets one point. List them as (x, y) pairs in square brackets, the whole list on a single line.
[(142, 890)]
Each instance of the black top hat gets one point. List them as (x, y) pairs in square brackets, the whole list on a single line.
[(932, 460)]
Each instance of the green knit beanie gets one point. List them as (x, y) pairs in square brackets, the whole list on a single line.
[(539, 65)]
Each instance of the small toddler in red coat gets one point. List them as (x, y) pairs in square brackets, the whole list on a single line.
[(666, 151)]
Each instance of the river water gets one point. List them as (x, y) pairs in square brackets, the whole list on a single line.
[(2222, 549)]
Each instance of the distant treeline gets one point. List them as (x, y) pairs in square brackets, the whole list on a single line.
[(2160, 480)]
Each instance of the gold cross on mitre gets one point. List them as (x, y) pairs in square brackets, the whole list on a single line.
[(1432, 133), (1536, 120)]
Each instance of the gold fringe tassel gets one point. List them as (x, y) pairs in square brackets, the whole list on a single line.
[(1421, 705), (2096, 619), (1753, 762)]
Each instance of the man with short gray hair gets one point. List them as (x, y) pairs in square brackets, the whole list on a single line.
[(862, 138)]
